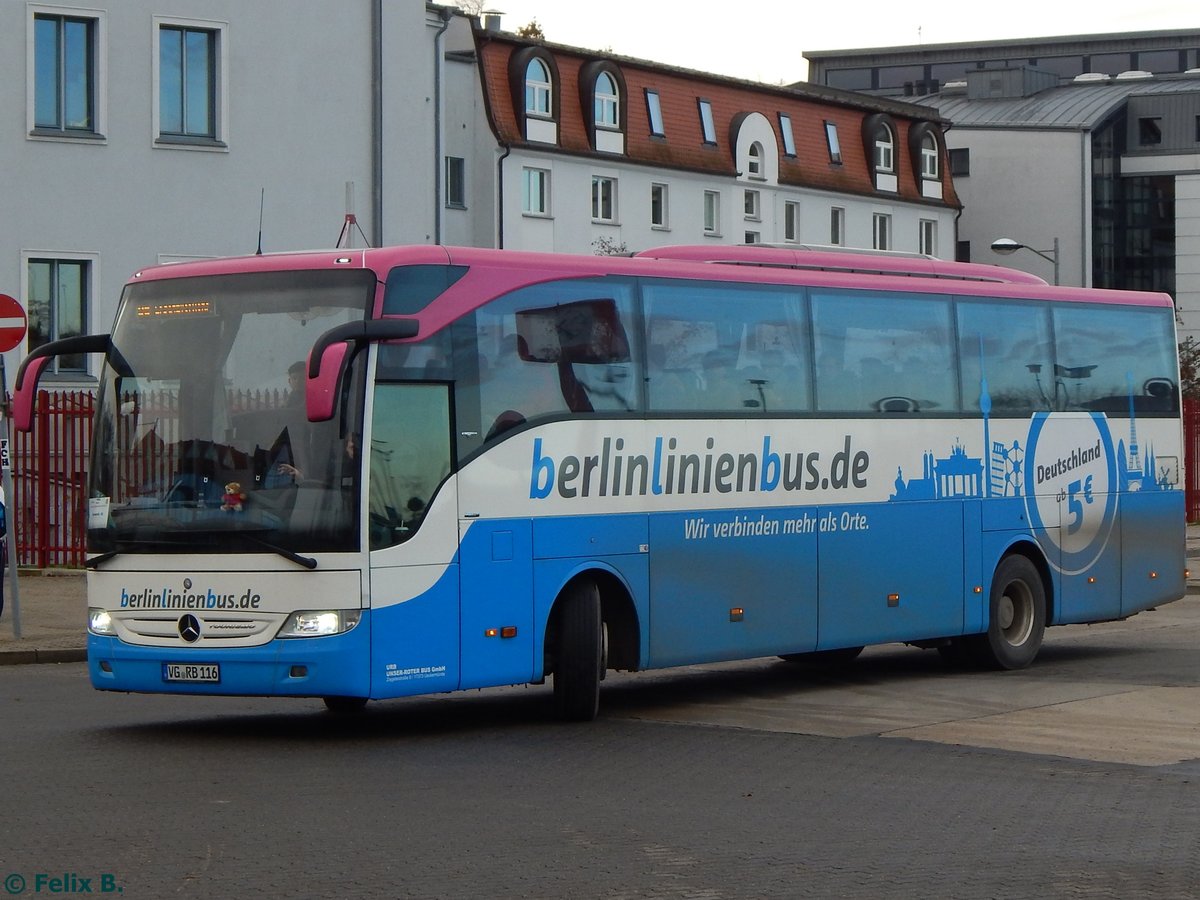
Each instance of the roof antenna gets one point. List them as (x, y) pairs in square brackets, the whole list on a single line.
[(350, 225), (261, 202)]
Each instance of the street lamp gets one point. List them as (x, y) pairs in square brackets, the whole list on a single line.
[(1006, 246)]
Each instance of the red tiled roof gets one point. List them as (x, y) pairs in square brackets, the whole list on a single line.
[(684, 147)]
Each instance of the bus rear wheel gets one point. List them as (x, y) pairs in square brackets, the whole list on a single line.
[(578, 654), (1016, 616)]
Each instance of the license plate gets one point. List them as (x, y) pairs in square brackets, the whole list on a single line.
[(205, 673)]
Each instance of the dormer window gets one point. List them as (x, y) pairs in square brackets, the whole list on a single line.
[(925, 148), (602, 102), (879, 142), (607, 101), (537, 89), (534, 84)]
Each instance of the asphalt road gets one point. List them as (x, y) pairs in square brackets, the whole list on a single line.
[(895, 778)]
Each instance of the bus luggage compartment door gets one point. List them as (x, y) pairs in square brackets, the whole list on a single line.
[(732, 584), (890, 572)]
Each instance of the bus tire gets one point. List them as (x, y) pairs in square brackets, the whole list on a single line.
[(345, 706), (578, 654), (1016, 616)]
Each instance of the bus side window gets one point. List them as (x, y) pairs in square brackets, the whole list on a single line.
[(559, 348), (1008, 346)]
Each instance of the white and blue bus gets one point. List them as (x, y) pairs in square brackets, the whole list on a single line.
[(380, 473)]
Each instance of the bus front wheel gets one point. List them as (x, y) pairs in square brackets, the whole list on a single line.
[(578, 654), (1016, 616)]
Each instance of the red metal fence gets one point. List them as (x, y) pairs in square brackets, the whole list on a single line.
[(50, 466), (1191, 458), (49, 476)]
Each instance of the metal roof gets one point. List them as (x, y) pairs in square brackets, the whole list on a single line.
[(1075, 106)]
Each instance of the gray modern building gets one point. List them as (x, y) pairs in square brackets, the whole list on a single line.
[(1086, 149), (914, 71)]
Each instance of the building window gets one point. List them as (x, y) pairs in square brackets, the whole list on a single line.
[(789, 139), (962, 251), (537, 89), (929, 157), (706, 122), (927, 237), (835, 147), (187, 86), (1150, 130), (837, 225), (791, 221), (535, 192), (456, 188), (751, 200), (752, 237), (654, 111), (604, 199), (712, 212), (191, 85), (754, 161), (56, 300), (607, 102), (960, 162), (882, 232), (64, 74), (658, 206)]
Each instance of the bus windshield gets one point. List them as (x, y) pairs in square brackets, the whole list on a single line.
[(201, 438)]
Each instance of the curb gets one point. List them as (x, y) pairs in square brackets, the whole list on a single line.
[(22, 657)]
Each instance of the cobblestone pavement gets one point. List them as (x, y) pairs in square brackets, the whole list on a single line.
[(479, 795)]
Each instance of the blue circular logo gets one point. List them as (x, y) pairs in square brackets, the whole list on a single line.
[(1071, 487)]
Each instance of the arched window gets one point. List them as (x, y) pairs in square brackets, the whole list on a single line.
[(537, 89), (885, 149), (608, 102), (754, 161), (929, 156)]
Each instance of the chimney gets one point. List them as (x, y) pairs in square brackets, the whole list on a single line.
[(491, 20)]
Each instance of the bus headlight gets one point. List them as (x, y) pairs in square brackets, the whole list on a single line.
[(100, 622), (319, 622)]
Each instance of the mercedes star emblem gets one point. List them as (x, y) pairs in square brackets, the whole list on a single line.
[(189, 628)]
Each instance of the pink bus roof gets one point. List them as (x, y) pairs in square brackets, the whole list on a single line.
[(495, 272)]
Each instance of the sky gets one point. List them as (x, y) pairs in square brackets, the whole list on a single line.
[(767, 44)]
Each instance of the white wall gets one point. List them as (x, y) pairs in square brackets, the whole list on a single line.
[(570, 229), (1029, 186), (299, 126)]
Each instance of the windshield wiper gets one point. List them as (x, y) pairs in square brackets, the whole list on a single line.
[(94, 562), (307, 561)]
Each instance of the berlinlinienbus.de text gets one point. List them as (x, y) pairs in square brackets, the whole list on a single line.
[(613, 472)]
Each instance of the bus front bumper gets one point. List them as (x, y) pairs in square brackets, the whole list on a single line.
[(333, 666)]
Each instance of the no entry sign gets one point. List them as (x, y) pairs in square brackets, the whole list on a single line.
[(12, 323)]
